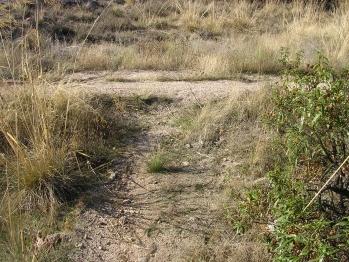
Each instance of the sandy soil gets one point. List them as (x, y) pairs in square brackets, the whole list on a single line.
[(175, 216)]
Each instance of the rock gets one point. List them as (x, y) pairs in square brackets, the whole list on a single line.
[(188, 146), (81, 246), (102, 223), (185, 163), (112, 175), (92, 5), (271, 227), (127, 201)]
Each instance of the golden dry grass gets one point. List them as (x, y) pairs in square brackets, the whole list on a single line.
[(220, 40), (49, 140), (214, 38)]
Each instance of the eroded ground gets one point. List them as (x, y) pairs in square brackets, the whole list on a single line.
[(176, 215)]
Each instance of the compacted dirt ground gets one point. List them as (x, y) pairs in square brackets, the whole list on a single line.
[(171, 216)]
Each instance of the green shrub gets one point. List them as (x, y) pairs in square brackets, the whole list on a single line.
[(309, 110)]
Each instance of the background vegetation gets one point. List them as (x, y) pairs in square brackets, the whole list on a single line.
[(215, 39)]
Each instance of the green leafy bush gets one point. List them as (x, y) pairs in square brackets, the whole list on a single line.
[(312, 108), (309, 111)]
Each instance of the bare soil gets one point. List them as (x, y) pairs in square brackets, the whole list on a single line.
[(171, 216)]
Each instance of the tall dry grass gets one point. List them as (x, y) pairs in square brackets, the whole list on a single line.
[(52, 144), (217, 39), (214, 38)]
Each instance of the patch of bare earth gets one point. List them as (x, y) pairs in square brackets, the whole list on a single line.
[(173, 216)]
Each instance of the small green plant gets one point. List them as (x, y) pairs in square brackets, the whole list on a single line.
[(157, 163), (251, 209)]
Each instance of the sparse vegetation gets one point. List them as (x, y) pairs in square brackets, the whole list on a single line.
[(276, 146)]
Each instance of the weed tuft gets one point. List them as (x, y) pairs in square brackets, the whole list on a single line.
[(157, 163)]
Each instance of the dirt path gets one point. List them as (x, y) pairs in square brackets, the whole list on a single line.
[(174, 216)]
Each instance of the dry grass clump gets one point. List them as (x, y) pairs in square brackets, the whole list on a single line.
[(218, 120), (43, 135), (165, 55), (49, 149)]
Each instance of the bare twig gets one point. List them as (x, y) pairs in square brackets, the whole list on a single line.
[(327, 182), (196, 99)]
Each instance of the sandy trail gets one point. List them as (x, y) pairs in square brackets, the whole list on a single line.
[(175, 216)]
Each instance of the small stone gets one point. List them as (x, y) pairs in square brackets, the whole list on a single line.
[(81, 246), (127, 201), (112, 175), (185, 163), (103, 223), (271, 227), (188, 146), (102, 248)]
